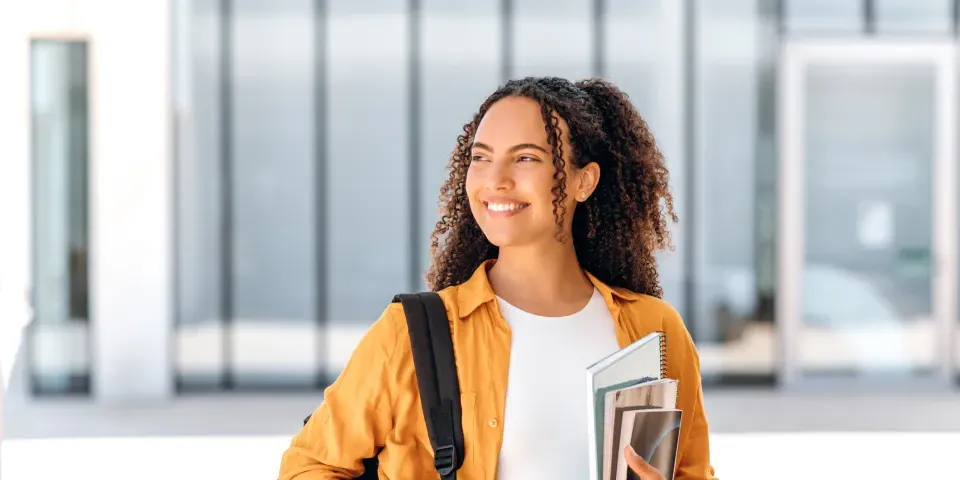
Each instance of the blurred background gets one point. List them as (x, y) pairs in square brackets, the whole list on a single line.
[(205, 203)]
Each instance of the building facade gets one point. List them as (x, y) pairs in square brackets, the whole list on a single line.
[(224, 194)]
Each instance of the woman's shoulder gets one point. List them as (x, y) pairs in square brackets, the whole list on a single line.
[(394, 319), (448, 295), (649, 313), (651, 307)]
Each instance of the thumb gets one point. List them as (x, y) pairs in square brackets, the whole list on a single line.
[(639, 465)]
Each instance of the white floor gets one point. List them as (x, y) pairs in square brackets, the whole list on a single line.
[(781, 456), (759, 435)]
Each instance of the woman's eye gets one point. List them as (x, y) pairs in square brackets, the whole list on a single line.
[(477, 158), (526, 158)]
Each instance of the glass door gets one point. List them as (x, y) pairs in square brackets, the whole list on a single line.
[(57, 344), (867, 203)]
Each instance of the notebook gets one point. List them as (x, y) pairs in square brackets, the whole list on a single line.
[(655, 394), (655, 435), (641, 361)]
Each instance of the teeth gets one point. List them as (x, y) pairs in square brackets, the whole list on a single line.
[(504, 207)]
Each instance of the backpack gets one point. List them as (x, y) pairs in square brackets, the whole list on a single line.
[(436, 369)]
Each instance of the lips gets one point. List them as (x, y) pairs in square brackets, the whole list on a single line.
[(505, 206)]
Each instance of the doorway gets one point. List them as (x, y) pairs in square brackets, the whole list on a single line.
[(867, 213)]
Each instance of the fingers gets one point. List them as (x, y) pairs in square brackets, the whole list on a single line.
[(640, 466)]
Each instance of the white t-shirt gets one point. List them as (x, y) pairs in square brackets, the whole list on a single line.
[(545, 426)]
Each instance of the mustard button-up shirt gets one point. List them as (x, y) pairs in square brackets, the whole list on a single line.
[(374, 406)]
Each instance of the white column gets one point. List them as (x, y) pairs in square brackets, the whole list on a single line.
[(131, 175), (131, 200)]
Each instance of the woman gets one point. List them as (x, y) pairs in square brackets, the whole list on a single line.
[(557, 200)]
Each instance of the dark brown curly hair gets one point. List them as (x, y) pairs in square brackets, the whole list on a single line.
[(617, 231)]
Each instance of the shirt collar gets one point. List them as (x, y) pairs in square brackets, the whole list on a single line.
[(477, 291)]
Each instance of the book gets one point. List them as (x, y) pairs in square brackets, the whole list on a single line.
[(654, 434), (636, 364), (650, 394)]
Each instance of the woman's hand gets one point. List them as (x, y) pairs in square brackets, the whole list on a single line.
[(639, 466)]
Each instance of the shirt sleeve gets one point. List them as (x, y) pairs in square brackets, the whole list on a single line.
[(694, 462), (355, 416)]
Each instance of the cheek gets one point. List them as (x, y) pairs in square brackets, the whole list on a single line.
[(539, 182), (471, 183), (539, 187), (472, 186)]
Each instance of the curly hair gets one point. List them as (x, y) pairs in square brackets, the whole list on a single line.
[(617, 230)]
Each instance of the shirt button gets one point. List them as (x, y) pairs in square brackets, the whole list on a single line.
[(492, 423)]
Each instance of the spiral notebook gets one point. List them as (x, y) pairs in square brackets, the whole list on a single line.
[(640, 362)]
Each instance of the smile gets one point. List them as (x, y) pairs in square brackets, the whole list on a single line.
[(505, 208)]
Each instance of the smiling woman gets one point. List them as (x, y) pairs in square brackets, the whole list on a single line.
[(541, 139), (556, 202)]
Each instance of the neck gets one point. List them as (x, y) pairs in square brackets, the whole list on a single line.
[(545, 280)]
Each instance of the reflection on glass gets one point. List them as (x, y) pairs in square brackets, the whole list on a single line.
[(199, 333), (58, 338), (823, 17), (867, 301), (460, 67), (643, 55), (914, 16), (734, 334), (273, 339), (368, 200), (247, 179), (538, 24)]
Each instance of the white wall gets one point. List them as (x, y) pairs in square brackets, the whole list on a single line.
[(131, 221)]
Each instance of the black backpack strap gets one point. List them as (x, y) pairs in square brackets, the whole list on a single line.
[(436, 369)]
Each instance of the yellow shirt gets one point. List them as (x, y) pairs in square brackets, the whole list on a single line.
[(374, 405)]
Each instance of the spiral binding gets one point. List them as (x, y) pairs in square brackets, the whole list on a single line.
[(663, 363), (663, 353)]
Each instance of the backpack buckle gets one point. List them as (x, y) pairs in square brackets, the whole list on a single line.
[(445, 459)]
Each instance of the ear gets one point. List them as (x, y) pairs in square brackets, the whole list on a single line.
[(587, 180)]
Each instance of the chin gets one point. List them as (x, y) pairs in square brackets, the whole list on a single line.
[(507, 239), (504, 233), (500, 241)]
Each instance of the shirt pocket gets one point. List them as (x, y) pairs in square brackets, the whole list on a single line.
[(468, 421)]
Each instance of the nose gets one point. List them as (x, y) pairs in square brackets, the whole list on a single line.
[(500, 177)]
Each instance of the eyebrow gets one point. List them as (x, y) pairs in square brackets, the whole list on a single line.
[(514, 148)]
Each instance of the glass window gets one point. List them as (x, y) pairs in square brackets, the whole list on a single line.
[(367, 202), (823, 17), (914, 16), (248, 167), (733, 339), (197, 108), (460, 46), (869, 247), (272, 206), (57, 346), (552, 37), (643, 54)]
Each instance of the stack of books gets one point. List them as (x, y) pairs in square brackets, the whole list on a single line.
[(632, 403)]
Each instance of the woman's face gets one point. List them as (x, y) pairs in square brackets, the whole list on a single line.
[(510, 179)]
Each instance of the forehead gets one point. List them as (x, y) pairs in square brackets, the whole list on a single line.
[(512, 121)]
